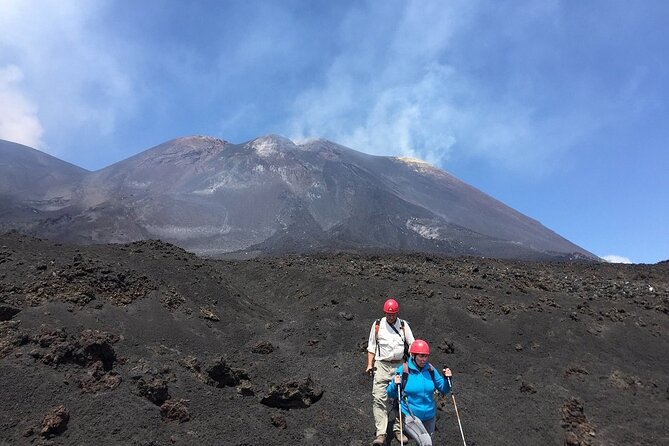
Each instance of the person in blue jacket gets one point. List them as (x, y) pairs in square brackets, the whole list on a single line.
[(418, 380)]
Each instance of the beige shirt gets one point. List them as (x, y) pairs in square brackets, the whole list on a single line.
[(391, 345)]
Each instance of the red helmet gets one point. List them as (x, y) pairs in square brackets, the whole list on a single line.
[(391, 307), (419, 347)]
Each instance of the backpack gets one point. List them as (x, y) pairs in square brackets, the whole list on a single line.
[(377, 324)]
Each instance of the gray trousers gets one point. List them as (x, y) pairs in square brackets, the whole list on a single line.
[(382, 405), (421, 431)]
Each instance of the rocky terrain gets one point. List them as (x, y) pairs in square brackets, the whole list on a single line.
[(147, 344)]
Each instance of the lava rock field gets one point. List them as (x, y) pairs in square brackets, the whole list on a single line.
[(147, 344)]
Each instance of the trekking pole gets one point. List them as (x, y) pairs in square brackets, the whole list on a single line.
[(399, 409), (456, 411)]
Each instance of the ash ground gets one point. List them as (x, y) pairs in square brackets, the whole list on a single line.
[(146, 344)]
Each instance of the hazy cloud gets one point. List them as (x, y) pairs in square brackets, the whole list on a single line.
[(385, 94), (19, 121), (73, 71), (507, 84), (408, 88)]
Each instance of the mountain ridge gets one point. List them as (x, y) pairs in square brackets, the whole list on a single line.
[(213, 197)]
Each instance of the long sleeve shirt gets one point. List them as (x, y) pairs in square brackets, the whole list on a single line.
[(418, 392)]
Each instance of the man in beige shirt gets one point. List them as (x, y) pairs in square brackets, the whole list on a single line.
[(389, 338)]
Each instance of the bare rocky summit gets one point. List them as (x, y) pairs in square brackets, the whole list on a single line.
[(266, 196), (147, 344)]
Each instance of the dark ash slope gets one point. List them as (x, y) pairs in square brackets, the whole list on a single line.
[(146, 344)]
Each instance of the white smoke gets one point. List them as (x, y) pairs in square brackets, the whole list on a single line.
[(19, 121), (612, 258)]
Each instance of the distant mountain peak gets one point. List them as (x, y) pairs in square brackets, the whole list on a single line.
[(324, 148), (185, 150), (195, 143), (413, 161), (266, 195), (420, 166), (309, 142), (198, 139), (270, 145)]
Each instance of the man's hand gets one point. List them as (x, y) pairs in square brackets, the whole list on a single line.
[(370, 370)]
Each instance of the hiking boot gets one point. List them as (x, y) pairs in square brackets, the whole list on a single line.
[(380, 439), (400, 437)]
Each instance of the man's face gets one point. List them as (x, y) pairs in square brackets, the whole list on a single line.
[(391, 317)]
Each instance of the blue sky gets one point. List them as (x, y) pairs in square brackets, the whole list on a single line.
[(560, 109)]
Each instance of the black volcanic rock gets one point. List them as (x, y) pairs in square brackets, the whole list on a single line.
[(268, 196), (140, 371), (7, 312), (55, 421), (293, 394)]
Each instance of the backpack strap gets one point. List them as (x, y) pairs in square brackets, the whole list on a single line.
[(405, 375), (377, 324), (406, 355), (403, 336)]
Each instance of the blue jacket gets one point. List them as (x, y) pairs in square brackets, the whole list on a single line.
[(418, 392)]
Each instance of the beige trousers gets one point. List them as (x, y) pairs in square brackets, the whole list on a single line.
[(382, 405)]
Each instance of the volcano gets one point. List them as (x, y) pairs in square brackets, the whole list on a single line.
[(143, 342), (267, 196)]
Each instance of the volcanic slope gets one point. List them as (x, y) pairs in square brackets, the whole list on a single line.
[(147, 344), (30, 180), (270, 195)]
